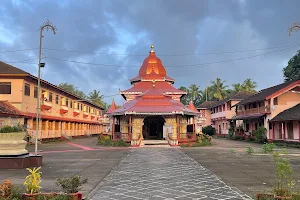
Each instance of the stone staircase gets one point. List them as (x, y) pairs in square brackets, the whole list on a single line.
[(155, 143)]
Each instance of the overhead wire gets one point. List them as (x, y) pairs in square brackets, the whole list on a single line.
[(191, 54), (169, 66)]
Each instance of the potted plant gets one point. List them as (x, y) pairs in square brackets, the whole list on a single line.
[(71, 186), (32, 183), (12, 141)]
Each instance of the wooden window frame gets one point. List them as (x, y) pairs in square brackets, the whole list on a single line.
[(8, 84)]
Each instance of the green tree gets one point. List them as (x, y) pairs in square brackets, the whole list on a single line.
[(72, 89), (238, 87), (249, 85), (96, 98), (194, 92), (186, 98), (219, 89), (292, 70)]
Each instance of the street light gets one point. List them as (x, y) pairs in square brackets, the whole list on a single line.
[(48, 26)]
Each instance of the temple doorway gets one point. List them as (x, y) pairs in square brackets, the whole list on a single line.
[(153, 128)]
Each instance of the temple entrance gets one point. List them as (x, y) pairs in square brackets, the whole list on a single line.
[(153, 128)]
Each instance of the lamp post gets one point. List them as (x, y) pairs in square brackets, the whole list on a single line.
[(48, 26)]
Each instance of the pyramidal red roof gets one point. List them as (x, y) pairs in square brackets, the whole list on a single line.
[(153, 93), (112, 107), (192, 106)]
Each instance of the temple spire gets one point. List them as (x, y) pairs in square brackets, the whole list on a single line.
[(152, 49)]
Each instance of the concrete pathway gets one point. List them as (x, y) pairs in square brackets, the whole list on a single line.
[(160, 173)]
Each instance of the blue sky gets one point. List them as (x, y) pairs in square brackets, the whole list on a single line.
[(127, 27)]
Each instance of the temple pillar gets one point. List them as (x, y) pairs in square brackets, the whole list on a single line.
[(137, 127), (171, 121)]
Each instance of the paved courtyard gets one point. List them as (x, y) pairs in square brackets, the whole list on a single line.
[(160, 173)]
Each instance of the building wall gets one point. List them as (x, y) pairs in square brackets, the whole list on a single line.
[(16, 96), (279, 131), (222, 126), (56, 124), (11, 121), (285, 101)]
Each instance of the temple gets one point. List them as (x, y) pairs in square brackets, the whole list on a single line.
[(153, 109)]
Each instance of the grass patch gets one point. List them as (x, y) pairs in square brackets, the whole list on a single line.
[(249, 150), (268, 148)]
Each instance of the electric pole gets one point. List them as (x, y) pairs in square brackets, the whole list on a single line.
[(48, 26)]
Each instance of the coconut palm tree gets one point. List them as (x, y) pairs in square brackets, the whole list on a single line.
[(194, 92), (186, 98), (219, 89), (249, 85), (238, 87), (96, 98)]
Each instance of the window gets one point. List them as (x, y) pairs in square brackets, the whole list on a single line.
[(43, 92), (27, 89), (71, 104), (50, 96), (67, 102), (35, 92), (5, 87), (275, 101), (56, 99)]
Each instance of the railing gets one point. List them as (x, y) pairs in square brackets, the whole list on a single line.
[(259, 110), (218, 114)]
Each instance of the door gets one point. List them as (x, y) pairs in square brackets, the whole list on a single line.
[(290, 130)]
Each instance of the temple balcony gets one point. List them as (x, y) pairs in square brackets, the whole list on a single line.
[(258, 110)]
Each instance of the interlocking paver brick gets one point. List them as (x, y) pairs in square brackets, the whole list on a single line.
[(158, 173)]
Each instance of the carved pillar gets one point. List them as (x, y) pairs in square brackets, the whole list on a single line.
[(137, 127)]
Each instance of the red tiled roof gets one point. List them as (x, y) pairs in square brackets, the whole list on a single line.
[(192, 106), (7, 109), (289, 114), (154, 102), (265, 93), (9, 69), (112, 107), (33, 115), (161, 86)]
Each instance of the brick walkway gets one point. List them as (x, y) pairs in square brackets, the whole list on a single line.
[(157, 173)]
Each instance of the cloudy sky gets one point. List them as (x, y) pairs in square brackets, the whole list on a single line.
[(197, 41)]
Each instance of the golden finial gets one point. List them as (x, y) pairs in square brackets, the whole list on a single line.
[(152, 48)]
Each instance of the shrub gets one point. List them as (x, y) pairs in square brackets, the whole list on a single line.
[(33, 180), (5, 188), (283, 176), (231, 132), (120, 143), (269, 147), (17, 192), (250, 150), (260, 134), (70, 184), (209, 130), (202, 140), (12, 129)]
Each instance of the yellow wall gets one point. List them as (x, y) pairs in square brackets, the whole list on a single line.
[(11, 121), (50, 128)]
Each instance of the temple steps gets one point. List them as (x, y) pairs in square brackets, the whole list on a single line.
[(155, 143)]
